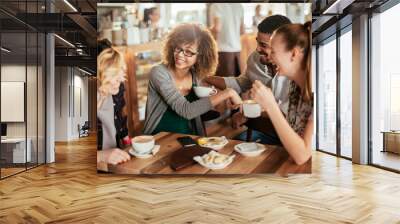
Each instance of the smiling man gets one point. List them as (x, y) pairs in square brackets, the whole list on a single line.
[(259, 67)]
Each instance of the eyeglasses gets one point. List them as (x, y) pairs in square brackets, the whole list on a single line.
[(187, 53)]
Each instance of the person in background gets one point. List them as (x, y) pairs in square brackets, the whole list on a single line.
[(227, 24), (291, 53), (259, 68), (111, 109), (189, 54), (151, 17), (257, 18)]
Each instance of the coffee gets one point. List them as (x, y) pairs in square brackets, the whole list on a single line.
[(249, 102), (143, 139)]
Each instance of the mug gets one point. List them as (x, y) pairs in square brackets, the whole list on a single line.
[(143, 144), (251, 109), (203, 91)]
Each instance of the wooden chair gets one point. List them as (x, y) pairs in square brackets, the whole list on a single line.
[(131, 95)]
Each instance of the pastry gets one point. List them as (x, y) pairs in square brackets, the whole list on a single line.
[(214, 158), (218, 159), (211, 141)]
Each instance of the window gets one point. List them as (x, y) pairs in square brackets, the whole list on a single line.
[(385, 87), (22, 60), (327, 96), (346, 94)]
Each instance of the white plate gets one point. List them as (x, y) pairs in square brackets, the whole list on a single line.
[(249, 149), (216, 147), (154, 151), (213, 166)]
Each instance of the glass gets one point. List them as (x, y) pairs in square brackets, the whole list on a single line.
[(385, 85), (22, 68), (314, 81), (15, 151), (327, 96), (41, 150), (187, 53), (346, 94), (31, 98)]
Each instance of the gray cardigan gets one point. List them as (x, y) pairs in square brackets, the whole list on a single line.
[(163, 93), (106, 115)]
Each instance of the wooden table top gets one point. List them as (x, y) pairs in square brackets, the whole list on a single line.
[(273, 160)]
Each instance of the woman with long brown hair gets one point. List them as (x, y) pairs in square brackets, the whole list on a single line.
[(291, 53), (189, 55)]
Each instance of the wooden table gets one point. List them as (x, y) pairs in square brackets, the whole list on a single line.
[(273, 160), (391, 141)]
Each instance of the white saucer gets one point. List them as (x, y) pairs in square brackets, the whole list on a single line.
[(213, 166), (249, 149), (154, 151), (216, 147)]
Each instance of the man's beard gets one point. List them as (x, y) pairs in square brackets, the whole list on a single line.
[(264, 59), (272, 68)]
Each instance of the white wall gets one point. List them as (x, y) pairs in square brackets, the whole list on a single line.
[(13, 73), (33, 127), (67, 115), (61, 103)]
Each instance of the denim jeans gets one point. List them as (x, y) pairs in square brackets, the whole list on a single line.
[(263, 138)]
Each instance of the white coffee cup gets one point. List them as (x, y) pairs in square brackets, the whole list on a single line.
[(203, 91), (143, 144), (251, 109)]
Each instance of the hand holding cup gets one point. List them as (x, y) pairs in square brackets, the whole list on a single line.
[(262, 94)]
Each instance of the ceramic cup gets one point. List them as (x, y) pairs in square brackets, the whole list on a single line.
[(251, 109), (203, 91), (143, 144)]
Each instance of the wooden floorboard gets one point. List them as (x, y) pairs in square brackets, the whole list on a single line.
[(70, 191)]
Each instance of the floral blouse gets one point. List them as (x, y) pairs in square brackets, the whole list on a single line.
[(299, 110)]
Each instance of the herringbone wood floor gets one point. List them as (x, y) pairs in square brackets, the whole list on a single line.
[(70, 191)]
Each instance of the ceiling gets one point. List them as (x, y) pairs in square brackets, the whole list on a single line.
[(332, 15), (73, 20)]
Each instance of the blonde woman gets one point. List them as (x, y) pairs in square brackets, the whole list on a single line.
[(111, 107), (291, 53), (189, 55)]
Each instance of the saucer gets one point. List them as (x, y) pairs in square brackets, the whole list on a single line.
[(208, 142), (249, 149), (154, 151), (213, 166)]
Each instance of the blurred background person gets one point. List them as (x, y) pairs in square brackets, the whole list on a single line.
[(257, 18), (151, 17), (226, 25)]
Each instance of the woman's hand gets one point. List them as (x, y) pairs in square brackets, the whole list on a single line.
[(262, 95), (204, 82), (228, 96), (113, 156), (234, 98), (238, 119)]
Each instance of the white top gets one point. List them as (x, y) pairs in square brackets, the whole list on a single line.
[(280, 88), (231, 17)]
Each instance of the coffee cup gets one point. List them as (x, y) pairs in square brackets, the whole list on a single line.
[(143, 144), (203, 91), (251, 109)]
